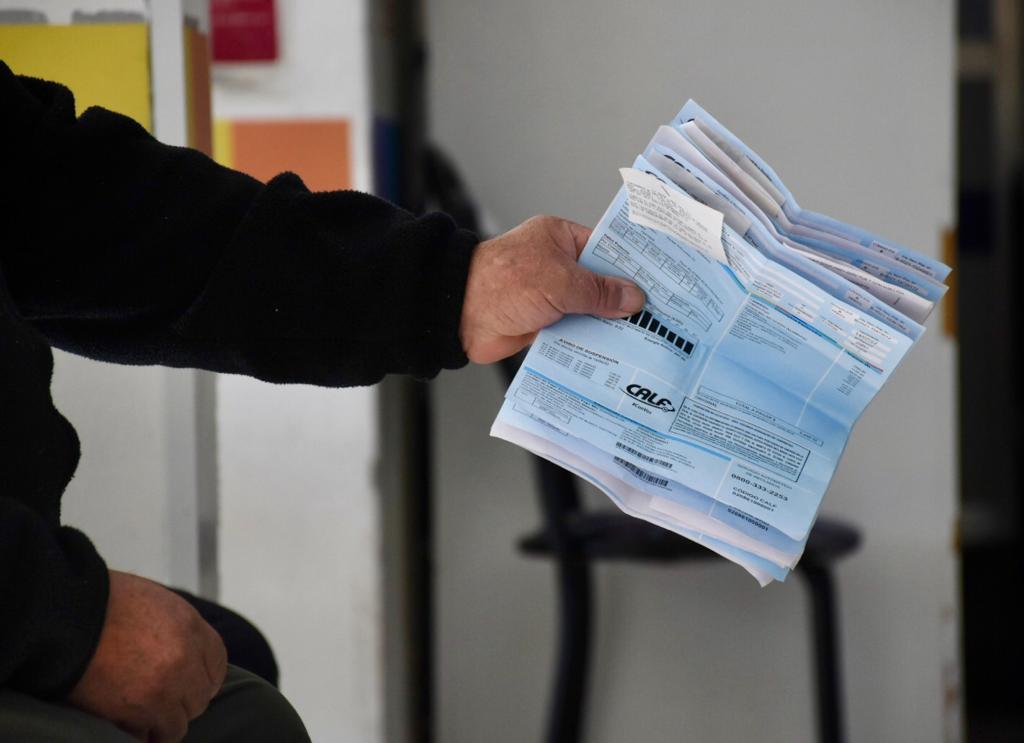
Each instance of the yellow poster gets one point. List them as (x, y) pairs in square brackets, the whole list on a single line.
[(104, 64)]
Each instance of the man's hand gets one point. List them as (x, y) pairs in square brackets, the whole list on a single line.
[(527, 279), (158, 663)]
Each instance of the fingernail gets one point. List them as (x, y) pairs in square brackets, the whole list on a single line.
[(632, 299)]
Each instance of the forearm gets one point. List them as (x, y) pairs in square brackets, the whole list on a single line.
[(123, 249), (340, 288)]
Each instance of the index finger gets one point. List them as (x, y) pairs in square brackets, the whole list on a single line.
[(207, 672), (215, 656)]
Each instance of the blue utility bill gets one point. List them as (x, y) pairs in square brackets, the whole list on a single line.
[(721, 410)]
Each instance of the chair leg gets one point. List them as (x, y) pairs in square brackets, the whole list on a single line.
[(826, 652), (568, 700)]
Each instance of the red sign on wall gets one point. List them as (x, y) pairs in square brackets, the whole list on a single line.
[(243, 30)]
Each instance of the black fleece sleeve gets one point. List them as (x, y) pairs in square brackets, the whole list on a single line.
[(53, 584), (120, 248), (54, 602)]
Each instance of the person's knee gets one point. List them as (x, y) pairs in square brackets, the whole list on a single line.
[(271, 717), (249, 709)]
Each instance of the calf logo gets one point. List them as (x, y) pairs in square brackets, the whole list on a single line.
[(650, 397)]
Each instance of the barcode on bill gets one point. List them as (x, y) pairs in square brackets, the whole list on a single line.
[(641, 455), (648, 322), (644, 475)]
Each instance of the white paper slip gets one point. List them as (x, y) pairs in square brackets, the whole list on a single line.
[(655, 205)]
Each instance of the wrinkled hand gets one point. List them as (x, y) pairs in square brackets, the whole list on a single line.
[(158, 663), (528, 278)]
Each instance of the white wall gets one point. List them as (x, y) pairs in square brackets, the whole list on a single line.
[(540, 103), (119, 495), (299, 542)]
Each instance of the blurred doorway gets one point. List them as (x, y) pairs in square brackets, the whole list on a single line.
[(989, 149)]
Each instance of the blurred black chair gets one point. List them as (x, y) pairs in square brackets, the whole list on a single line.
[(575, 539)]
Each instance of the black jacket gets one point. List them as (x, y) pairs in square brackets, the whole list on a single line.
[(119, 248)]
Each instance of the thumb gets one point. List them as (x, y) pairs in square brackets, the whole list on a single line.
[(580, 235), (606, 296)]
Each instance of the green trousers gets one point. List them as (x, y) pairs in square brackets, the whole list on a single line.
[(247, 709)]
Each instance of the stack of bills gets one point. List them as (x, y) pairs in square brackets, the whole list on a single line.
[(720, 411)]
